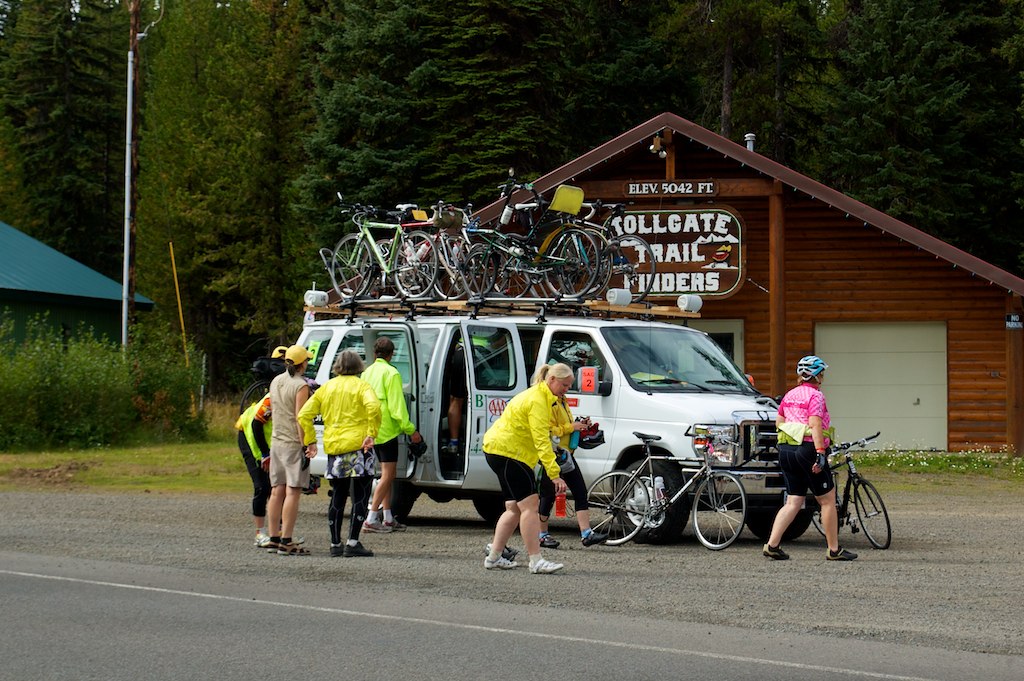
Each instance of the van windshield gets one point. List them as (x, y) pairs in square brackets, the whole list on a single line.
[(674, 360)]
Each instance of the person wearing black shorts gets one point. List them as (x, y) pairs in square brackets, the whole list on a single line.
[(512, 446), (805, 432)]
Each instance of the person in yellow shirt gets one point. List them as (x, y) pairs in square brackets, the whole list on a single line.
[(513, 445), (386, 382), (351, 414)]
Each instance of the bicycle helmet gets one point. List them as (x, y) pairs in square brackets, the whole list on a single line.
[(591, 437), (809, 367), (417, 449)]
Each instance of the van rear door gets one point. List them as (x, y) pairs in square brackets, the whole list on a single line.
[(494, 356), (361, 339)]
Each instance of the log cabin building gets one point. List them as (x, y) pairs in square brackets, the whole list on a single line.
[(924, 341)]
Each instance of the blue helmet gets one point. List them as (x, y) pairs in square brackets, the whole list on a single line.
[(809, 367)]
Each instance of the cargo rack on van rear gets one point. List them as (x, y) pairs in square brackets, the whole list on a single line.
[(541, 307)]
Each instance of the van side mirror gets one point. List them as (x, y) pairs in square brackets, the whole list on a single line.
[(604, 388)]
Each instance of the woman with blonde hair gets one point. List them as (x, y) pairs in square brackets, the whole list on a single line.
[(513, 445)]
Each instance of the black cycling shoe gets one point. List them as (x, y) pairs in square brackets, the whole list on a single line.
[(594, 538), (357, 551), (549, 542), (774, 552), (842, 554)]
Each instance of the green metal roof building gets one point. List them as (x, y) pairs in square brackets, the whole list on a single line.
[(37, 280)]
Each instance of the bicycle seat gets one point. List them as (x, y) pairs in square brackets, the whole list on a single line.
[(647, 438)]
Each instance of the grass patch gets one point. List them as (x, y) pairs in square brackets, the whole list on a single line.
[(985, 464), (213, 467)]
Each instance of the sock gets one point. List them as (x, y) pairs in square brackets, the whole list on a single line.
[(372, 517), (535, 558), (453, 442), (389, 517), (586, 533), (352, 542), (276, 539), (286, 540), (493, 555), (545, 534)]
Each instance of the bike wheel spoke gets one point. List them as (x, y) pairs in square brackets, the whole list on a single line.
[(719, 510), (416, 265), (871, 514), (619, 506)]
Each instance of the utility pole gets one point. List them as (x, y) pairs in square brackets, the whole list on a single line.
[(131, 169)]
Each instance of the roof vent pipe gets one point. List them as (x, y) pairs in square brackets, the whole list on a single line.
[(749, 138)]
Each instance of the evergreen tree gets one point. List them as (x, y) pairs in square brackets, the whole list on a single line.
[(920, 118), (62, 94), (219, 148)]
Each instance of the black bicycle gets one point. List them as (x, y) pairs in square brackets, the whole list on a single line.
[(871, 516)]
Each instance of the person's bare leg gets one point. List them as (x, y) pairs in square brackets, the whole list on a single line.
[(505, 526), (455, 417), (290, 511), (529, 523), (382, 495), (274, 508), (784, 517), (830, 519)]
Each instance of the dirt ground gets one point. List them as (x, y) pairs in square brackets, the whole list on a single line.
[(951, 578)]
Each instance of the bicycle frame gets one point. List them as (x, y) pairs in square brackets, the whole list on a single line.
[(718, 512)]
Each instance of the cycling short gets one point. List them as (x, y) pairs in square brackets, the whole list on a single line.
[(795, 462), (387, 452), (515, 477), (457, 383)]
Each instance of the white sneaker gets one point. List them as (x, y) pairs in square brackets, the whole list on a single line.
[(260, 538), (508, 552), (500, 563), (545, 567), (378, 527)]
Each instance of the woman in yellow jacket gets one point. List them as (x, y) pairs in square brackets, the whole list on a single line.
[(351, 415), (512, 447)]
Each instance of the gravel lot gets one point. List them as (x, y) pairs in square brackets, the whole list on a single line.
[(950, 580)]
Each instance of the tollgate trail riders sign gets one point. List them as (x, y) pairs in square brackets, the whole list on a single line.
[(697, 251)]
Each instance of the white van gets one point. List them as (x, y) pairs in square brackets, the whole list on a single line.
[(632, 375)]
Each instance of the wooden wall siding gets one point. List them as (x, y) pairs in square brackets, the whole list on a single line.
[(838, 270)]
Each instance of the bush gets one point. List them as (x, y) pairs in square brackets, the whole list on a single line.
[(83, 392)]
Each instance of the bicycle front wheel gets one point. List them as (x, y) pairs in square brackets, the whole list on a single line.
[(577, 255), (416, 265), (631, 265), (350, 266), (719, 510), (619, 505), (871, 514), (481, 270), (451, 267)]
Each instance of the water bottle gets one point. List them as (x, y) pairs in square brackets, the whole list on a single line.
[(421, 253), (506, 215), (560, 505), (659, 488)]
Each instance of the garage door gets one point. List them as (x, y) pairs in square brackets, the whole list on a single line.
[(887, 377)]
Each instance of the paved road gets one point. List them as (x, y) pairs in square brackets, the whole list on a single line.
[(79, 618)]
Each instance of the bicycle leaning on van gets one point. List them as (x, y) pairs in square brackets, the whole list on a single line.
[(624, 503)]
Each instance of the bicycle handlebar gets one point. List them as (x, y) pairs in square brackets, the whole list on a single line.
[(844, 446)]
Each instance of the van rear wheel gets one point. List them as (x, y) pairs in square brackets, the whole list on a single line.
[(403, 495), (490, 507)]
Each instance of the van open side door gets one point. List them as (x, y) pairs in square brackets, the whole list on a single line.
[(496, 373)]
